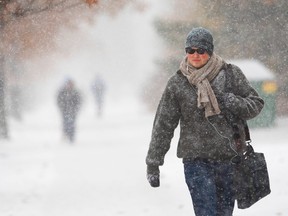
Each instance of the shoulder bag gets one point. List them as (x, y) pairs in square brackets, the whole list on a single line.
[(251, 178)]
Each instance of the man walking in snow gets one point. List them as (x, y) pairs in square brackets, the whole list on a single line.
[(199, 97)]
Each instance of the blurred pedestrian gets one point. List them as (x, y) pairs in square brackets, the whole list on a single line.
[(98, 90), (211, 99), (69, 102)]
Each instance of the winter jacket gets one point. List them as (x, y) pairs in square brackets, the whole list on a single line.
[(200, 137)]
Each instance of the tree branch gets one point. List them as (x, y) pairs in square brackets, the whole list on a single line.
[(33, 7), (49, 7)]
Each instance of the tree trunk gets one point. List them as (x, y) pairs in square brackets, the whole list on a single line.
[(3, 122)]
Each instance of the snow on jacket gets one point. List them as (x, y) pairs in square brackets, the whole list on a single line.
[(210, 138)]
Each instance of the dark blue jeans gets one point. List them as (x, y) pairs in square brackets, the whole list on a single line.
[(211, 187)]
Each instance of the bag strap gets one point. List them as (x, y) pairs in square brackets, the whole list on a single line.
[(228, 84)]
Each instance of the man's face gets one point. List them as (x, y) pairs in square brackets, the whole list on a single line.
[(195, 59)]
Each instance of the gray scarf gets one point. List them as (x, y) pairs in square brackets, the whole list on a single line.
[(201, 78)]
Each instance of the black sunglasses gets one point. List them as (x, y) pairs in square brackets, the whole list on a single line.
[(190, 50)]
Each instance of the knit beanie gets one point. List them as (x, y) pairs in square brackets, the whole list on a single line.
[(200, 38)]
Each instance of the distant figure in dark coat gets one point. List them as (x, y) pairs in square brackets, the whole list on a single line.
[(69, 102), (98, 89)]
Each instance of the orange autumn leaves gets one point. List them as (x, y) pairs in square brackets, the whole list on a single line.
[(91, 2)]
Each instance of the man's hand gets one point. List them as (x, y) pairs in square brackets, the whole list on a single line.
[(153, 175), (225, 100)]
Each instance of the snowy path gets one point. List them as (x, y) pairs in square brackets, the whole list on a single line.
[(103, 173)]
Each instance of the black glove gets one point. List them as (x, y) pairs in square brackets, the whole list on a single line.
[(153, 175)]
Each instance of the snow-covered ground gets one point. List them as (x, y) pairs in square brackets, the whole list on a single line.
[(103, 172)]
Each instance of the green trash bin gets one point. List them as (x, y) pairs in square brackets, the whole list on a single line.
[(267, 90), (263, 80)]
